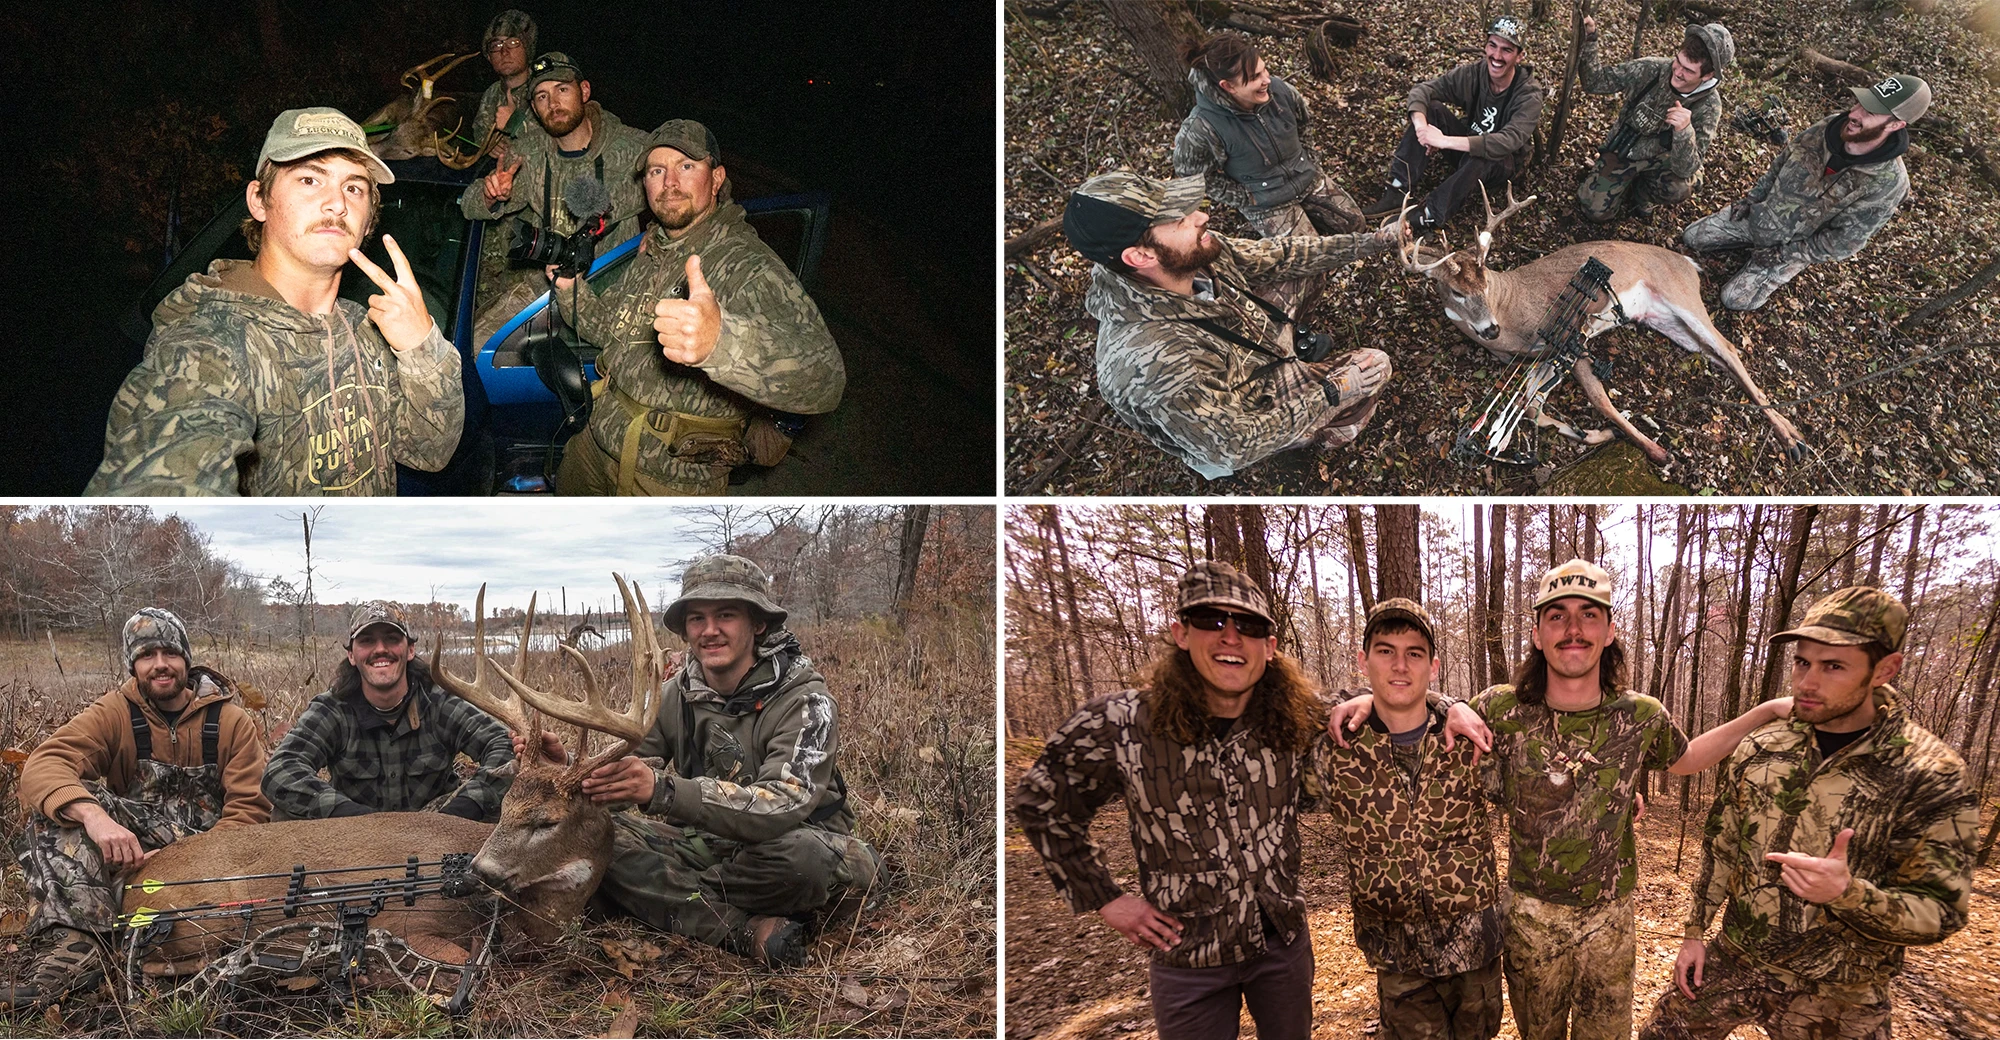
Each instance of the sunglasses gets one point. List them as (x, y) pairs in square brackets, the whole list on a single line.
[(1249, 626)]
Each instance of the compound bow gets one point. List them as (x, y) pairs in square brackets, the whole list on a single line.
[(1558, 345)]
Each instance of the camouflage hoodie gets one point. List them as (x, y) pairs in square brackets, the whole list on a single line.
[(1645, 82), (620, 147), (240, 393), (1914, 818), (756, 762), (775, 350), (1215, 405), (1814, 218), (1214, 827), (1420, 864)]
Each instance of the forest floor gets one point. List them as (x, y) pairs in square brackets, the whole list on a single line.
[(1070, 976), (1073, 109), (914, 703)]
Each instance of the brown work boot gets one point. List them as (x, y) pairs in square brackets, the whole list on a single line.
[(777, 942), (74, 963)]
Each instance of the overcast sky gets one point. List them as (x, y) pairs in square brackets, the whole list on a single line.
[(403, 550)]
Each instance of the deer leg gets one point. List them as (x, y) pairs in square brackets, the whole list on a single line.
[(1594, 390), (1701, 336)]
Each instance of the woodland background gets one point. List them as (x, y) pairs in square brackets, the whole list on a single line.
[(1698, 589), (1091, 86), (893, 604)]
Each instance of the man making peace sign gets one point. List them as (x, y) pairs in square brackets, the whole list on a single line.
[(258, 379)]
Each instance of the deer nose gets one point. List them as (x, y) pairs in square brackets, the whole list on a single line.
[(1490, 332), (488, 873)]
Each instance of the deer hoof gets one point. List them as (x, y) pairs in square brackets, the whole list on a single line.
[(1795, 451)]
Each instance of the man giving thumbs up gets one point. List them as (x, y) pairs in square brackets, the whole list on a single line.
[(702, 339), (1839, 836)]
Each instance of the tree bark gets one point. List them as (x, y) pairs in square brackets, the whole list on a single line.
[(1156, 31), (915, 520), (1496, 581), (1881, 539), (1477, 662), (1664, 653), (1853, 539), (1082, 678), (1589, 531), (1982, 689), (1519, 617), (1397, 570), (1972, 286), (1732, 697), (1787, 591), (1910, 559), (1580, 8), (1357, 557), (1836, 71)]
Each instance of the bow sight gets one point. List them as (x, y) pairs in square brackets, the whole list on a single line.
[(1559, 344)]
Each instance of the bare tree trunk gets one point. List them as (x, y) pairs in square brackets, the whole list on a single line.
[(1853, 538), (1644, 523), (1639, 29), (1519, 618), (1319, 622), (1693, 716), (1496, 581), (1397, 570), (1669, 614), (1910, 561), (1156, 31), (1357, 556), (1589, 531), (1066, 686), (915, 520), (1083, 677), (1982, 690), (1787, 590), (1881, 538), (1477, 662), (1257, 565), (1732, 697), (1561, 122)]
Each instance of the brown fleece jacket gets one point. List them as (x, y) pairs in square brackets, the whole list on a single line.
[(97, 745)]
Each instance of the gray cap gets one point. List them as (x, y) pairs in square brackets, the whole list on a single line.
[(153, 628), (378, 612), (1716, 37), (553, 65), (723, 577), (299, 132), (685, 136), (1904, 96)]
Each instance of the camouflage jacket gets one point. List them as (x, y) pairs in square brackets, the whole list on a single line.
[(1214, 827), (399, 764), (756, 762), (1217, 406), (775, 350), (1568, 780), (542, 162), (1814, 218), (1502, 125), (1198, 148), (240, 393), (1915, 822), (1645, 82), (97, 744), (1420, 865), (522, 122)]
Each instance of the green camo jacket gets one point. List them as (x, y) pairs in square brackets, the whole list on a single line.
[(1217, 406), (775, 350), (1648, 95), (1904, 793), (618, 145), (240, 393), (756, 763), (1421, 871), (1814, 218)]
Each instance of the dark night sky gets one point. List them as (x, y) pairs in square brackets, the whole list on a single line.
[(889, 107)]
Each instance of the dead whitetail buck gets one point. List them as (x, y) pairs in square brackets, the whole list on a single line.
[(280, 897), (1658, 288), (424, 122)]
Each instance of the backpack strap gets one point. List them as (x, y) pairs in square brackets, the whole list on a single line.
[(142, 732), (211, 733)]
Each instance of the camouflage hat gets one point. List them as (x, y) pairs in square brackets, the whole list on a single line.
[(510, 24), (1904, 96), (1111, 212), (1400, 609), (553, 65), (723, 577), (1575, 578), (299, 132), (1852, 616), (1717, 40), (685, 136), (1212, 583), (1511, 29), (152, 628), (377, 612)]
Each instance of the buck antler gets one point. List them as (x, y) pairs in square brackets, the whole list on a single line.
[(629, 726), (501, 705), (421, 79), (1493, 222), (1409, 255)]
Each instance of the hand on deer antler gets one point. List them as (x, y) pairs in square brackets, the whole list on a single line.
[(552, 749)]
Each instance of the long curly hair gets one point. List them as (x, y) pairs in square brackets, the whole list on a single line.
[(1283, 712)]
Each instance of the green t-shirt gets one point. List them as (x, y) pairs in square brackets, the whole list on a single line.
[(1569, 780)]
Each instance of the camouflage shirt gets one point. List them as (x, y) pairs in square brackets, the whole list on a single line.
[(240, 393), (522, 122), (1568, 780), (1420, 865), (398, 764), (1648, 96), (1215, 405), (775, 350), (1214, 827), (1915, 821), (542, 162), (1814, 218)]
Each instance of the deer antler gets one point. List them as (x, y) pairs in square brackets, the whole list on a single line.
[(1493, 222), (1409, 255), (629, 726), (421, 79), (501, 705)]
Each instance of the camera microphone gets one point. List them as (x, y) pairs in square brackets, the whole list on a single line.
[(586, 197)]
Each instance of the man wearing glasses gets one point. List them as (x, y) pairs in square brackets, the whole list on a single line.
[(510, 38), (1208, 757)]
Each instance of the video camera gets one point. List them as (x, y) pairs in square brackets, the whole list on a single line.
[(587, 201)]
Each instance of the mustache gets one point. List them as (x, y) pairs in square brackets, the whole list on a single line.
[(338, 225)]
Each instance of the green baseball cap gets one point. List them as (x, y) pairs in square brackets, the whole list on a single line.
[(1853, 616), (1111, 212), (553, 65), (299, 132), (685, 136), (1904, 96), (1400, 609)]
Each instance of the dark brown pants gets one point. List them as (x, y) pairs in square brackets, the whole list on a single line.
[(1734, 993), (1408, 164), (1465, 1006), (1204, 1003)]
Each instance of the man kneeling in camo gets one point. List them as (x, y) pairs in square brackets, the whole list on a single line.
[(165, 755)]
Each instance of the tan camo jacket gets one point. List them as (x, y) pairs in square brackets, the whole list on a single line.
[(241, 393), (1421, 872), (1214, 827), (1915, 822)]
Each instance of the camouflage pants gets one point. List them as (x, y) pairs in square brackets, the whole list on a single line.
[(1569, 969), (587, 469), (1406, 167), (1465, 1006), (1617, 184), (1733, 993), (1291, 219), (68, 882), (1763, 275), (684, 881)]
